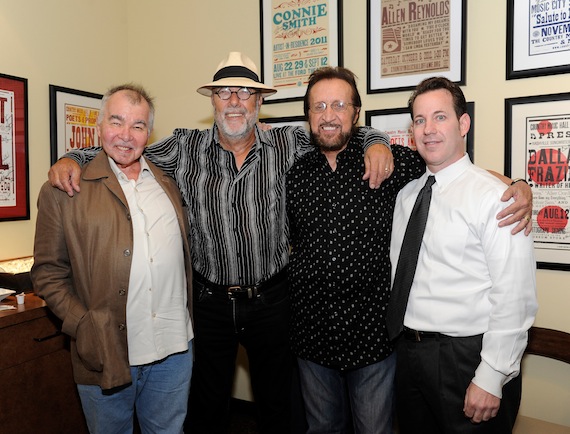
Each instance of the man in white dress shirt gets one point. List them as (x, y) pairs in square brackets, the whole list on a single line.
[(473, 296)]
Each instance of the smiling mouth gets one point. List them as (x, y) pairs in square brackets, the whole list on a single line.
[(329, 127)]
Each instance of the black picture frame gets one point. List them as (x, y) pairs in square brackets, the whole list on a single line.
[(289, 55), (396, 61), (73, 117), (535, 47), (537, 145)]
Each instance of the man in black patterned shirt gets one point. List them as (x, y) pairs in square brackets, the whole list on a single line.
[(339, 268), (232, 177)]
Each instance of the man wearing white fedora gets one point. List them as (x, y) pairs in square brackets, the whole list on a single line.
[(232, 177)]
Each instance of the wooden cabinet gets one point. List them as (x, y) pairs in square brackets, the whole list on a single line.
[(37, 391)]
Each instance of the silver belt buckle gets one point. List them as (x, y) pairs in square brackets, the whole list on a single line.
[(230, 292)]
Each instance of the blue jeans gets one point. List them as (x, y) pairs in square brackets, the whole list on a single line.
[(159, 392), (333, 398)]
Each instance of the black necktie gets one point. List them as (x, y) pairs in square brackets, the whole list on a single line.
[(408, 261)]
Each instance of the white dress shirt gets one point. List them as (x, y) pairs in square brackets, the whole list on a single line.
[(158, 322), (472, 276)]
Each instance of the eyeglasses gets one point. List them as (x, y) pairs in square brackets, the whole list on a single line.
[(337, 106), (243, 94)]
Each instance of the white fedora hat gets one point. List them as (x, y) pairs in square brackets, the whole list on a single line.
[(236, 70)]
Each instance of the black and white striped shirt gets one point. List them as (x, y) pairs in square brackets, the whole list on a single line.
[(238, 223)]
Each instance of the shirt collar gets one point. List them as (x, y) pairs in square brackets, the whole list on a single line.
[(145, 169), (446, 176)]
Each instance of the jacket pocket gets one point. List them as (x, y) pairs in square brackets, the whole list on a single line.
[(89, 344)]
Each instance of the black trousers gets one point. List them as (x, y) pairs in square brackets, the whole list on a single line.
[(432, 377), (261, 325)]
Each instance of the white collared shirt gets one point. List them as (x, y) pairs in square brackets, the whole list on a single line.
[(472, 276), (158, 322)]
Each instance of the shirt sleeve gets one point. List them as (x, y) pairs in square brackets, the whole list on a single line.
[(165, 153), (512, 266), (84, 155), (372, 136)]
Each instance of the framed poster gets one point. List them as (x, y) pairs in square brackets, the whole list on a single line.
[(298, 37), (286, 120), (397, 123), (411, 40), (537, 148), (538, 38), (14, 176), (73, 117)]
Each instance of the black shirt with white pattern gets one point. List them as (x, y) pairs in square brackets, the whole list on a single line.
[(340, 264)]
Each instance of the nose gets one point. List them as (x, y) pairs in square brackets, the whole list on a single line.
[(125, 133), (234, 100), (429, 126), (329, 113)]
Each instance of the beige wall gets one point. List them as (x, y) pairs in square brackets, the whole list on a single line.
[(173, 46), (61, 42)]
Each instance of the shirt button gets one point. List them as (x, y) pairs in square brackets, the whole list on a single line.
[(122, 327), (127, 252), (122, 291)]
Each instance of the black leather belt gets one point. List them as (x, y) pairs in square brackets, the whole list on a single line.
[(418, 336), (239, 292)]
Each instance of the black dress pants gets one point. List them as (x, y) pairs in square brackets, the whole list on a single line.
[(432, 376)]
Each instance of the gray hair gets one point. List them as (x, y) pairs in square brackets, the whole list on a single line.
[(136, 93)]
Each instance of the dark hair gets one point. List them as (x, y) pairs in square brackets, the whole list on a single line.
[(329, 73), (436, 83), (136, 93)]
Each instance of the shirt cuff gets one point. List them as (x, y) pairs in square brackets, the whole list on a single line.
[(73, 156), (490, 380), (377, 142)]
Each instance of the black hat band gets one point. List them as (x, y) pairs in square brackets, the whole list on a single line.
[(236, 71)]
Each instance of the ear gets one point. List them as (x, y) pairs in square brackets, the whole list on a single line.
[(464, 124), (356, 116)]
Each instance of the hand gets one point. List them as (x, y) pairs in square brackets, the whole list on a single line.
[(65, 175), (520, 210), (479, 405), (378, 164)]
